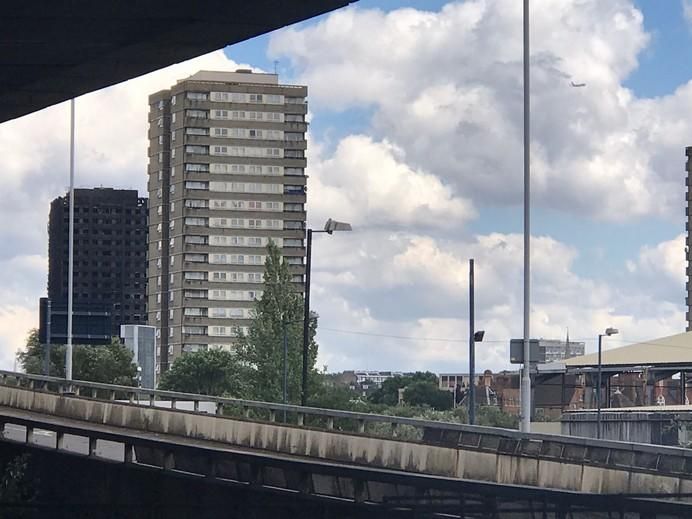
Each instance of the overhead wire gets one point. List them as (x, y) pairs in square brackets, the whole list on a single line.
[(497, 341)]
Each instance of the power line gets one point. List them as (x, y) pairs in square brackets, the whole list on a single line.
[(505, 341), (402, 337)]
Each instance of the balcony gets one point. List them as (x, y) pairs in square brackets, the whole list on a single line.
[(194, 318), (196, 104), (197, 139), (291, 108), (296, 126), (196, 247)]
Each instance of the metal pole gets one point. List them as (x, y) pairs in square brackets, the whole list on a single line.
[(472, 350), (70, 274), (285, 389), (285, 366), (598, 391), (683, 388), (526, 373), (46, 361), (306, 319)]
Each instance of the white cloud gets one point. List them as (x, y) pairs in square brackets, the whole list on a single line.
[(444, 142), (687, 10), (416, 287), (368, 181), (111, 150), (446, 87)]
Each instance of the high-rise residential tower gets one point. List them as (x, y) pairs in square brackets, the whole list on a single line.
[(226, 176), (110, 247)]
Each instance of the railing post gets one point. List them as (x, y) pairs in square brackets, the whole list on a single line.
[(29, 434), (169, 461), (246, 411), (173, 404), (129, 454), (361, 425), (301, 419), (395, 429), (272, 415), (330, 422), (111, 394), (59, 440), (152, 399), (94, 393), (131, 397), (196, 405), (219, 408), (92, 447)]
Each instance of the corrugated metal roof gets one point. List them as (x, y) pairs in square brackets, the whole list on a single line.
[(674, 349)]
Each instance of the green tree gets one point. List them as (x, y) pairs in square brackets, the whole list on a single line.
[(422, 393), (110, 363), (261, 350), (207, 372), (388, 393)]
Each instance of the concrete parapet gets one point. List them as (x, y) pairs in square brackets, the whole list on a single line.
[(545, 461)]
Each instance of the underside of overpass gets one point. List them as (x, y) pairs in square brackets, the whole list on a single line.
[(53, 51), (58, 485)]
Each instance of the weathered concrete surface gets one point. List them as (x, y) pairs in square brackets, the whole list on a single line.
[(522, 465), (553, 474)]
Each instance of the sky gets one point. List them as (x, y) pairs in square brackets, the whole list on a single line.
[(416, 139)]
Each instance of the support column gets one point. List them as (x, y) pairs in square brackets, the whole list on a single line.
[(683, 388)]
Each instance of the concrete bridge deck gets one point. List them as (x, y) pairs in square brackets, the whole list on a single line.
[(400, 464)]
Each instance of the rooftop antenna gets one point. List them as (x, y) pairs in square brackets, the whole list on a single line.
[(276, 66)]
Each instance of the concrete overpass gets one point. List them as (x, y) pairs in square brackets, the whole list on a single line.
[(53, 51), (380, 464)]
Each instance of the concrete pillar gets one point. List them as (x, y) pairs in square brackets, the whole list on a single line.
[(92, 447), (683, 388), (650, 384), (129, 454)]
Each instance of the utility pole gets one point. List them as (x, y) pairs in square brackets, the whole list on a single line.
[(306, 319), (46, 359), (70, 273), (472, 349), (526, 368)]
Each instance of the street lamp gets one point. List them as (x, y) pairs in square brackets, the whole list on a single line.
[(474, 337), (608, 332), (329, 227)]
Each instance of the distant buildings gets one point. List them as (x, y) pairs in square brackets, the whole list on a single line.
[(226, 176), (545, 350), (555, 350), (375, 378), (110, 240)]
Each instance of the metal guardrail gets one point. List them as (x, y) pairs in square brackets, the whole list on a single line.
[(508, 441)]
